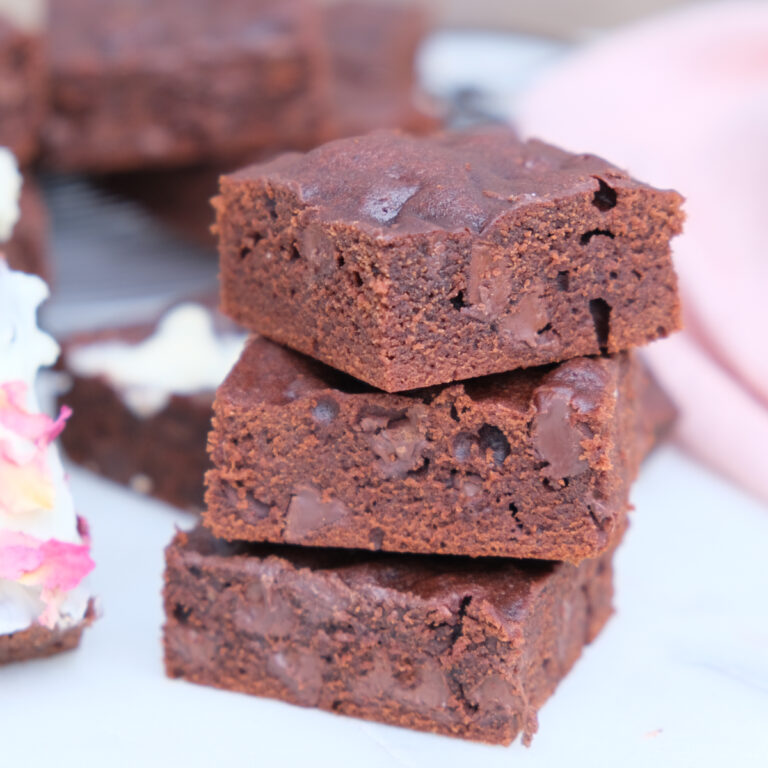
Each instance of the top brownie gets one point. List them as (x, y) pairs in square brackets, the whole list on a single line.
[(409, 262)]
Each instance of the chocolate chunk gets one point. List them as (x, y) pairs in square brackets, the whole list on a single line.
[(487, 290), (557, 440), (308, 513), (265, 611), (399, 447), (300, 672), (524, 321), (317, 247), (253, 510), (384, 204)]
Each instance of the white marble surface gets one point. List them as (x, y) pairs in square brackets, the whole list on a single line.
[(678, 678)]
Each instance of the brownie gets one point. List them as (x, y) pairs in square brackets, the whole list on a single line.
[(23, 69), (455, 646), (373, 50), (161, 453), (158, 83), (534, 463), (408, 261), (38, 642), (27, 250)]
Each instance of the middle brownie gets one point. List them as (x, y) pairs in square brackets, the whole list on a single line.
[(534, 463)]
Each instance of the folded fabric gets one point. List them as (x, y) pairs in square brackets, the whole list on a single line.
[(681, 100)]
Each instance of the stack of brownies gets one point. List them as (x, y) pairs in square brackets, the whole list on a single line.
[(415, 501)]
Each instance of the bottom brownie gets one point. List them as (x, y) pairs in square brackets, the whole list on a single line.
[(461, 647), (37, 642)]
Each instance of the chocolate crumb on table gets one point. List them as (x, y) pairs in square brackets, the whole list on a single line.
[(467, 648), (534, 463), (408, 262)]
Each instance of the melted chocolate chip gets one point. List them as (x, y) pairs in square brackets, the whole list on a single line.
[(265, 611), (487, 291), (524, 321), (318, 249), (307, 513), (301, 673), (399, 447), (556, 439)]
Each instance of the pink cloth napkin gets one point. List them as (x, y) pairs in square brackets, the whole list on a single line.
[(681, 101)]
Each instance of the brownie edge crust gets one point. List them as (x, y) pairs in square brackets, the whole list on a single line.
[(458, 647)]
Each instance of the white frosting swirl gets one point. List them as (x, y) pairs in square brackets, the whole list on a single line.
[(10, 189), (24, 349)]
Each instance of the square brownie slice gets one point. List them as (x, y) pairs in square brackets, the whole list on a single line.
[(158, 83), (461, 647), (535, 463), (24, 74), (408, 262), (142, 400)]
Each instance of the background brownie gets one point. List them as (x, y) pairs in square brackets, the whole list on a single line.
[(533, 463), (161, 452), (147, 83), (459, 647), (162, 456), (372, 48), (373, 52), (27, 250), (410, 261), (23, 71)]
